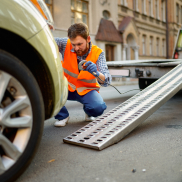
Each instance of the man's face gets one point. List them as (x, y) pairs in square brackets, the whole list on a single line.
[(80, 45)]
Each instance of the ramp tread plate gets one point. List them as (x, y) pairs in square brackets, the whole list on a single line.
[(112, 126)]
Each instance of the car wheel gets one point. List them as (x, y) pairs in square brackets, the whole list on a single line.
[(21, 116), (145, 82)]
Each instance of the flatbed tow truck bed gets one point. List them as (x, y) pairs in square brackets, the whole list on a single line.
[(142, 68), (147, 71)]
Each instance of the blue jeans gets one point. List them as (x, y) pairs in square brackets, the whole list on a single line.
[(93, 104)]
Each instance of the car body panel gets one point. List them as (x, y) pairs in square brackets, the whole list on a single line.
[(21, 17), (24, 20), (43, 42)]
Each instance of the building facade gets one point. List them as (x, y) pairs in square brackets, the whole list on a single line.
[(124, 29)]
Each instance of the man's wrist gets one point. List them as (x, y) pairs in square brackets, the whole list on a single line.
[(97, 74)]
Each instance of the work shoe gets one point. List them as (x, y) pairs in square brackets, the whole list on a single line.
[(61, 122), (89, 118)]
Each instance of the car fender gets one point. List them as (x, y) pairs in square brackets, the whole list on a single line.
[(45, 44)]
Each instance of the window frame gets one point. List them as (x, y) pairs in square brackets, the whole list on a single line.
[(163, 10), (151, 45), (80, 12), (181, 14), (177, 13), (157, 9), (136, 6), (144, 7), (163, 47), (124, 3), (144, 44), (151, 8), (157, 45)]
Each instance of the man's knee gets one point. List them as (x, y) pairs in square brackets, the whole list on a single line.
[(96, 110)]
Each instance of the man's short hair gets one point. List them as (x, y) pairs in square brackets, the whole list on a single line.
[(78, 29)]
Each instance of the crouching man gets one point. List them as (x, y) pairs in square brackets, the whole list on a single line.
[(83, 85)]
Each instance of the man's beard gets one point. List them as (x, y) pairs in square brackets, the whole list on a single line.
[(81, 53)]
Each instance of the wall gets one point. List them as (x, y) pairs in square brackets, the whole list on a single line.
[(144, 23)]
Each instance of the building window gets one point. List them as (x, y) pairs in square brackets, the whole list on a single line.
[(49, 4), (157, 46), (163, 11), (151, 8), (156, 15), (181, 14), (151, 45), (106, 14), (136, 5), (144, 44), (163, 47), (109, 52), (144, 7), (157, 9), (124, 2), (79, 11), (177, 13)]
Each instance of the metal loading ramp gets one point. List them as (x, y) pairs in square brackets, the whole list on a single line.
[(112, 126)]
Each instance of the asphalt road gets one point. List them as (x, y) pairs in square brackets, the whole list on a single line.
[(150, 153)]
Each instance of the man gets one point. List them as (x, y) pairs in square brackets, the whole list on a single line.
[(83, 86)]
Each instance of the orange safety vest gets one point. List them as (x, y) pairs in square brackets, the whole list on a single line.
[(83, 81)]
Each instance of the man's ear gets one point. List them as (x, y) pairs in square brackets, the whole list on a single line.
[(88, 38)]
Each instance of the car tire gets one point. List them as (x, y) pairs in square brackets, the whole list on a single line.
[(21, 117), (145, 82)]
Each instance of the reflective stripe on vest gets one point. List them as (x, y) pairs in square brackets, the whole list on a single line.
[(75, 76), (70, 73), (72, 86), (89, 81), (81, 89)]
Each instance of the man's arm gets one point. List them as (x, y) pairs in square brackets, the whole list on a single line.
[(103, 70), (100, 69), (101, 78), (61, 42)]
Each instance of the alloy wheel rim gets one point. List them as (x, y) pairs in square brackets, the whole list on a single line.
[(15, 120)]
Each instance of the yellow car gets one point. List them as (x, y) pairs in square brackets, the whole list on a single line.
[(32, 84)]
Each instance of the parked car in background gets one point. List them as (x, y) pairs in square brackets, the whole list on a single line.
[(32, 84)]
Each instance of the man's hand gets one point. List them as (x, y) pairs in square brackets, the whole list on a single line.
[(91, 67)]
